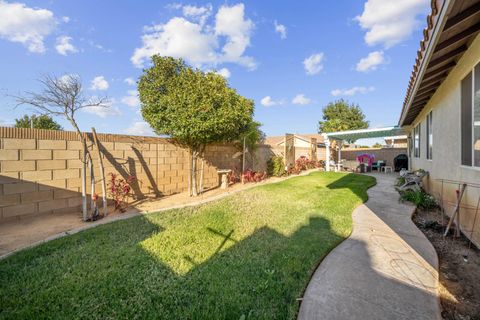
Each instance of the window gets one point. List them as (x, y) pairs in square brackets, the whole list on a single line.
[(470, 118), (429, 136), (416, 141)]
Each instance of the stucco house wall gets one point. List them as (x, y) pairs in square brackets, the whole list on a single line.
[(446, 162)]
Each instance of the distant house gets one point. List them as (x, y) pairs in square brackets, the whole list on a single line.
[(302, 144), (396, 142), (441, 111)]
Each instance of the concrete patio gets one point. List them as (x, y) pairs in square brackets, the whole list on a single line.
[(386, 269)]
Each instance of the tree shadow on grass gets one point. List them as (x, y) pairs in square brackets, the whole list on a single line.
[(106, 272), (357, 183)]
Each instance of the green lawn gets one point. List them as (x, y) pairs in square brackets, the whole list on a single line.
[(249, 255)]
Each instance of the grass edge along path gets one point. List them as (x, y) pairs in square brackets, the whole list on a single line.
[(248, 255)]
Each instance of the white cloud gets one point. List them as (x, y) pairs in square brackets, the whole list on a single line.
[(131, 99), (28, 26), (224, 72), (197, 43), (301, 99), (313, 64), (193, 11), (130, 81), (281, 29), (178, 38), (371, 62), (352, 91), (99, 83), (267, 101), (231, 23), (390, 22), (66, 19), (64, 45), (140, 128), (199, 14)]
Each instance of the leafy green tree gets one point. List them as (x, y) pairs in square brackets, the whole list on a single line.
[(340, 116), (377, 145), (37, 122), (253, 135), (192, 107)]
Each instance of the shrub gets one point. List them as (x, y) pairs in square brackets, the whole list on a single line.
[(420, 198), (275, 166), (400, 181), (119, 190), (253, 176), (303, 163)]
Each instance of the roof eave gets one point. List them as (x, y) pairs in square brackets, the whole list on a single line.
[(437, 30)]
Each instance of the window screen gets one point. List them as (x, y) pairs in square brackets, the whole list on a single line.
[(466, 118)]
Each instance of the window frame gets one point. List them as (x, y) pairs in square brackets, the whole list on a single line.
[(470, 140), (417, 131), (429, 136)]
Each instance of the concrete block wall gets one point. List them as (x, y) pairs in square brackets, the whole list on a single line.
[(40, 170)]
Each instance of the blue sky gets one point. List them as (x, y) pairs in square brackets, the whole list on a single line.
[(291, 57)]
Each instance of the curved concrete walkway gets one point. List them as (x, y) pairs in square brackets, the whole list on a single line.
[(386, 269)]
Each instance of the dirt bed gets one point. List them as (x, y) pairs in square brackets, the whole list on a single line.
[(459, 268)]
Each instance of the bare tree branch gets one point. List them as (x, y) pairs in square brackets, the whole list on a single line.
[(63, 97), (60, 96)]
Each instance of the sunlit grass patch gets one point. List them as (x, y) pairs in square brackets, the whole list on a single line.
[(249, 254)]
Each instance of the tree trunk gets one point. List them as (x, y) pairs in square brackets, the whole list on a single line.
[(194, 173), (201, 174)]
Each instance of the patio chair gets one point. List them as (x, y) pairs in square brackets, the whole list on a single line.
[(377, 165), (413, 180)]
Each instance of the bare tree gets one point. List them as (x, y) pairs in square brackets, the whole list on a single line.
[(63, 97)]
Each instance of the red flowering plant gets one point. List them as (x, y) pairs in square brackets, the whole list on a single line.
[(253, 176), (119, 190), (303, 163)]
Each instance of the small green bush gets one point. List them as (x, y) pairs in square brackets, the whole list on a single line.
[(420, 198), (275, 166), (400, 181)]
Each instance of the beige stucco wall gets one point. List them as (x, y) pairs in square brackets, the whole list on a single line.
[(446, 163)]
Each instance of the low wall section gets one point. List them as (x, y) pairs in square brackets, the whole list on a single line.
[(40, 170)]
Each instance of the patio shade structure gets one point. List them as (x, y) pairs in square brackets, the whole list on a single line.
[(341, 136)]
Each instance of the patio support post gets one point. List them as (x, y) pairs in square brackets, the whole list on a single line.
[(327, 155), (340, 144)]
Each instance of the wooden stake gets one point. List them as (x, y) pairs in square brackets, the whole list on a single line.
[(93, 203), (102, 173), (456, 212), (201, 176), (84, 184)]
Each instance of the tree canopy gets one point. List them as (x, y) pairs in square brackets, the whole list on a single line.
[(340, 116), (253, 135), (193, 107), (37, 122)]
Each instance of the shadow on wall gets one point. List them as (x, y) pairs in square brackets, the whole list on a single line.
[(23, 198)]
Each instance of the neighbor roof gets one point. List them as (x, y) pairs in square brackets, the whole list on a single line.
[(451, 27), (275, 140)]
